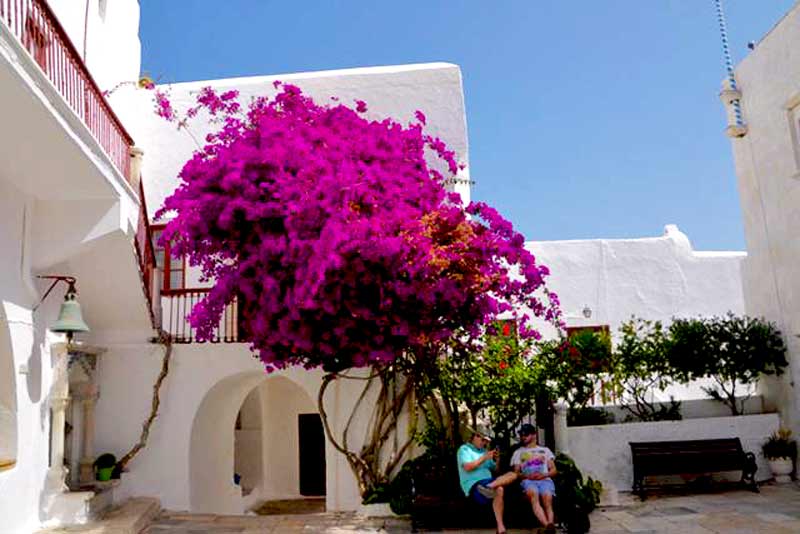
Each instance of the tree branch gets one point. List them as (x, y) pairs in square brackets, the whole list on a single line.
[(166, 340)]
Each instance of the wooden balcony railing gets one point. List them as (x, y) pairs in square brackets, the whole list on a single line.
[(178, 303), (38, 29)]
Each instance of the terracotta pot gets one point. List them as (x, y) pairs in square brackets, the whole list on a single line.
[(781, 468)]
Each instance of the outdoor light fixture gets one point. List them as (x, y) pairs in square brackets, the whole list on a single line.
[(587, 311), (70, 319)]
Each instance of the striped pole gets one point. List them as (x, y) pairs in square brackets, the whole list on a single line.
[(726, 51)]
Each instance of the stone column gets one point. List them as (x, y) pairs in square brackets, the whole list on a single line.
[(76, 412), (136, 155), (87, 458), (59, 401), (57, 474), (560, 427)]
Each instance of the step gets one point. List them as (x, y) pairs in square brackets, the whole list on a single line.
[(131, 517), (103, 499)]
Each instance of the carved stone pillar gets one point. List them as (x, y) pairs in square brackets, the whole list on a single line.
[(58, 401), (57, 474), (87, 457)]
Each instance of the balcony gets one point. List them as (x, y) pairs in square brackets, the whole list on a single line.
[(37, 29), (177, 304)]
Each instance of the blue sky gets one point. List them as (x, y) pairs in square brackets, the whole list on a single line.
[(586, 119)]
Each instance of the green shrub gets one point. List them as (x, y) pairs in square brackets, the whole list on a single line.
[(588, 416), (732, 350), (780, 445), (576, 498)]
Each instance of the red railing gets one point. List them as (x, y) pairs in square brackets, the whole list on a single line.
[(38, 29), (178, 305)]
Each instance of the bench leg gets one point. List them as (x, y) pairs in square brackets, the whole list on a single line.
[(749, 472), (638, 487)]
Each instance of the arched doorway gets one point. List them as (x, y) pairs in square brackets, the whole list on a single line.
[(269, 454), (8, 399)]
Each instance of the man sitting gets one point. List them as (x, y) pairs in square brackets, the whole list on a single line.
[(535, 467), (475, 466)]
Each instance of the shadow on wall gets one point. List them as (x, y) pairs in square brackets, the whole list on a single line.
[(8, 398), (211, 451)]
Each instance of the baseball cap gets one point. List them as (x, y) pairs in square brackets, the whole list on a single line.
[(482, 430), (527, 429)]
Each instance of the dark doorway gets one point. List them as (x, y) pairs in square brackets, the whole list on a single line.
[(312, 454)]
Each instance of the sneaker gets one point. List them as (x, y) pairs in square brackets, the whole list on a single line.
[(486, 491)]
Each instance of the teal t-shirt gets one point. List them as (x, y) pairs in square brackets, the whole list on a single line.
[(469, 453)]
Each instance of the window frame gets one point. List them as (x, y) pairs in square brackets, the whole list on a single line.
[(166, 288), (598, 328), (793, 120)]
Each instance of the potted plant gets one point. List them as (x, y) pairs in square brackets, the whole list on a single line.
[(104, 466), (780, 450)]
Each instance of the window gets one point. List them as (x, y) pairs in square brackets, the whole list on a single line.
[(599, 329), (173, 266), (793, 118)]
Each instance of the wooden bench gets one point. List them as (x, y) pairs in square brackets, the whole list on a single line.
[(694, 457), (437, 502)]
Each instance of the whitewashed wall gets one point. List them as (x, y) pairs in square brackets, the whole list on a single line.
[(106, 35), (26, 372), (189, 460), (248, 459), (603, 453), (392, 91), (655, 278), (768, 168)]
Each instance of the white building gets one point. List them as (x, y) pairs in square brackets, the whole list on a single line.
[(70, 205), (767, 157)]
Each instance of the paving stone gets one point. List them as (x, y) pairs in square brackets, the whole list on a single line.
[(776, 510)]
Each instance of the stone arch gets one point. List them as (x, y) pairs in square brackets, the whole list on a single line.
[(212, 447), (8, 398)]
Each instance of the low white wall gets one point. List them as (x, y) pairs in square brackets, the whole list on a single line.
[(695, 408), (603, 453)]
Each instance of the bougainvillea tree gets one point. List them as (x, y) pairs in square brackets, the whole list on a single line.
[(340, 239)]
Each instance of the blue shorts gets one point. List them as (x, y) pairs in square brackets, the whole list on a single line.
[(542, 487), (475, 495)]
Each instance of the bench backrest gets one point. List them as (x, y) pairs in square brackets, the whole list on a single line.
[(690, 456)]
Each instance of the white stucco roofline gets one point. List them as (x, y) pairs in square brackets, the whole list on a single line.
[(671, 232), (337, 73)]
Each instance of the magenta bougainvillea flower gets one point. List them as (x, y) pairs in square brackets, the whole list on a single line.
[(338, 236)]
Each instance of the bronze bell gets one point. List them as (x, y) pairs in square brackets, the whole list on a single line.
[(70, 319)]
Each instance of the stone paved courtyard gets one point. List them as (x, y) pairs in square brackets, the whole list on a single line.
[(776, 510)]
